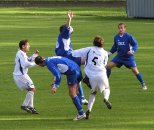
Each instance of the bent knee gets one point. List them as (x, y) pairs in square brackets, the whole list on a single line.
[(110, 65), (72, 95), (32, 89), (94, 93)]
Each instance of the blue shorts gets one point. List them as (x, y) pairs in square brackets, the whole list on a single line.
[(128, 62), (74, 78), (75, 59)]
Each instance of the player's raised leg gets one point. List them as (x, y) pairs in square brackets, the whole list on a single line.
[(104, 87), (106, 98), (139, 77)]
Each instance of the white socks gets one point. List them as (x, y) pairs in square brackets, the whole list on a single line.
[(91, 101), (106, 94), (29, 99)]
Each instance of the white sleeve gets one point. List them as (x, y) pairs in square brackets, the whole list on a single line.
[(109, 53), (24, 61), (32, 58), (81, 52)]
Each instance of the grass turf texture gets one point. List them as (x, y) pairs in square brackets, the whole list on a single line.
[(132, 108)]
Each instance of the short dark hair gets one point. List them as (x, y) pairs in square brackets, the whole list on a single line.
[(122, 24), (22, 42), (98, 41), (39, 60), (61, 28)]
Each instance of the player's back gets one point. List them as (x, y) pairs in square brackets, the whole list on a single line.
[(96, 61), (63, 64)]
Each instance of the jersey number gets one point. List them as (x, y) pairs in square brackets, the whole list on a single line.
[(94, 60)]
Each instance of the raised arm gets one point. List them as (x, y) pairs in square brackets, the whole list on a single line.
[(66, 29), (70, 16)]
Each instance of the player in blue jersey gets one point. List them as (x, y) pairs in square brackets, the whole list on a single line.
[(64, 48), (125, 45), (61, 65)]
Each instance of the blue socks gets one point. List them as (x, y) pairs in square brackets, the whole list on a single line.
[(81, 94), (78, 105), (140, 78), (108, 71)]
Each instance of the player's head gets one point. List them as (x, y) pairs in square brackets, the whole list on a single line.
[(63, 26), (24, 45), (39, 60), (98, 41), (122, 28)]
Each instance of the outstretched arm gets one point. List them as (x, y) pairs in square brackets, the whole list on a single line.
[(32, 58), (70, 16)]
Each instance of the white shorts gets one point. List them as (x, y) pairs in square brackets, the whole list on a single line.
[(23, 81), (99, 83)]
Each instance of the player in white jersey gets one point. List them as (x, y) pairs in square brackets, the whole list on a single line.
[(21, 78), (96, 60)]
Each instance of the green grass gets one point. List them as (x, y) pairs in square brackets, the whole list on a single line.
[(133, 109)]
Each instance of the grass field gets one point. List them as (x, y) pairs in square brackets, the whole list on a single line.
[(133, 109)]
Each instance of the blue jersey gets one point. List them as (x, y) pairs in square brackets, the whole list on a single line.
[(123, 44), (63, 45), (61, 65)]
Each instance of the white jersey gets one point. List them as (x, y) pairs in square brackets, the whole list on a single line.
[(96, 60), (22, 63)]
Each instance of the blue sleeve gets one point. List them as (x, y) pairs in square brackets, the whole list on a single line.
[(133, 43), (114, 47), (65, 32), (56, 73)]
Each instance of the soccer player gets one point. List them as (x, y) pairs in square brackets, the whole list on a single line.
[(64, 48), (21, 78), (95, 70), (125, 45), (61, 65)]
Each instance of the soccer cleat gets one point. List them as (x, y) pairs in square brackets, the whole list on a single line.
[(33, 110), (108, 104), (84, 101), (80, 117), (25, 108), (87, 114), (144, 87)]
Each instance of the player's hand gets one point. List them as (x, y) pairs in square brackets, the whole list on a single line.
[(36, 52), (109, 53), (70, 14), (53, 90), (130, 52)]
